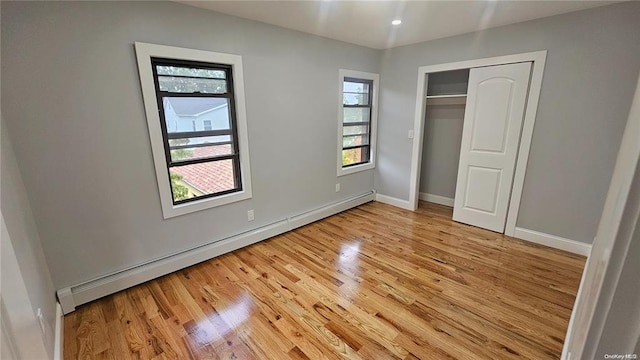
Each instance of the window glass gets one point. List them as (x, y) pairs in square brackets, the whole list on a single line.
[(190, 72), (356, 94), (200, 145), (349, 141), (179, 112), (356, 115), (192, 85), (355, 130), (200, 152), (196, 118), (197, 180), (352, 156)]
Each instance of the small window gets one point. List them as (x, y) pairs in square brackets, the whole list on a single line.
[(196, 168), (357, 123)]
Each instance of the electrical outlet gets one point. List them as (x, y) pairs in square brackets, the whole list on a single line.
[(250, 216), (337, 187), (41, 320)]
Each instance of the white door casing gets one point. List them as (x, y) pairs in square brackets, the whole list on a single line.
[(538, 60), (7, 344), (496, 101), (610, 249), (21, 332)]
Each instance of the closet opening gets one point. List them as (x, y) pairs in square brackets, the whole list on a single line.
[(473, 124), (442, 135)]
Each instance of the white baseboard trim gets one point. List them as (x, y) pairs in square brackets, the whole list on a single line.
[(329, 210), (553, 241), (403, 204), (436, 199), (59, 334), (75, 295)]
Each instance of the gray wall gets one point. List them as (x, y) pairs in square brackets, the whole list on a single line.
[(592, 66), (25, 240), (72, 103), (73, 106), (448, 82)]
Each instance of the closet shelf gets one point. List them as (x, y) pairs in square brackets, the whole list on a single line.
[(445, 96), (451, 99)]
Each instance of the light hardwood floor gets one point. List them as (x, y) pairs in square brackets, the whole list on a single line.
[(374, 282)]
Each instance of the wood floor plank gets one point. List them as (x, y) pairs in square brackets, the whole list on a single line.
[(373, 282)]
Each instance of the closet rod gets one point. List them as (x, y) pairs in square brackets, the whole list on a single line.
[(459, 99)]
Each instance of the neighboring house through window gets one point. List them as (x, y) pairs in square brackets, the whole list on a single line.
[(197, 166), (357, 121)]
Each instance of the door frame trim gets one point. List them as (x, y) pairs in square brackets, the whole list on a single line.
[(538, 59), (610, 252)]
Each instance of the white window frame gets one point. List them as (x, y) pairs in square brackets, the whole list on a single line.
[(144, 53), (374, 120)]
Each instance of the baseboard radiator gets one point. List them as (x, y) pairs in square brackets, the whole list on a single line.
[(82, 293)]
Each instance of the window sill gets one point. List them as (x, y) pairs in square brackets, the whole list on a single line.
[(197, 205), (354, 169)]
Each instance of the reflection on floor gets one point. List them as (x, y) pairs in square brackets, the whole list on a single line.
[(374, 282)]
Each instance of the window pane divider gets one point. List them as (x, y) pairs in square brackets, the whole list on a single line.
[(354, 164), (196, 134), (194, 77), (189, 146), (355, 147), (163, 93), (357, 106), (202, 160), (356, 80), (355, 123), (205, 196)]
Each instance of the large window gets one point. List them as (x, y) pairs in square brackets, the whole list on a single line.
[(197, 166), (357, 125)]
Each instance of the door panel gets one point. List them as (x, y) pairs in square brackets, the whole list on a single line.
[(483, 185), (493, 118), (492, 115)]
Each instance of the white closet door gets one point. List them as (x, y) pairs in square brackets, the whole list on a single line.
[(493, 118)]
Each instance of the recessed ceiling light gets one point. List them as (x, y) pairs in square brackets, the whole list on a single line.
[(396, 22)]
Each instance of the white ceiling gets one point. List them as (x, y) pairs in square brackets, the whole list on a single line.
[(368, 23)]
